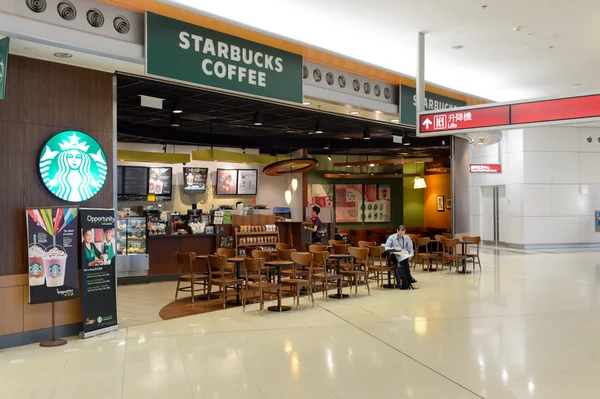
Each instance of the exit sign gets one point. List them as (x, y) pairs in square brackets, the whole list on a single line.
[(485, 168)]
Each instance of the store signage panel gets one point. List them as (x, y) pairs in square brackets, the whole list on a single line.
[(72, 166), (408, 104), (511, 115), (52, 235), (190, 53), (462, 119), (485, 168), (4, 44)]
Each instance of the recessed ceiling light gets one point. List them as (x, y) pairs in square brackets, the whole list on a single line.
[(63, 55), (377, 111), (348, 166), (290, 131), (517, 28), (457, 47), (346, 138), (372, 165), (354, 112), (395, 121), (306, 103)]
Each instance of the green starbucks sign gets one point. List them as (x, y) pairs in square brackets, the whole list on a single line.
[(73, 166), (408, 104), (194, 54), (3, 65)]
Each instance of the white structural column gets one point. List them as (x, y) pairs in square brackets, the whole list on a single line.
[(420, 74)]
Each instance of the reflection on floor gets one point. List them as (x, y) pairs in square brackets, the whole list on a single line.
[(527, 327), (140, 304)]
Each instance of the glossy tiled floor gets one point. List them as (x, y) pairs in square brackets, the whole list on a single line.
[(527, 327)]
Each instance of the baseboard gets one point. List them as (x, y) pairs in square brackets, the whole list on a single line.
[(146, 279), (44, 334), (561, 246)]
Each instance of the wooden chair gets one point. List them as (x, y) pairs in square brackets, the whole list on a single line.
[(266, 256), (221, 278), (342, 249), (319, 264), (424, 256), (283, 246), (377, 265), (303, 259), (320, 258), (229, 253), (450, 254), (475, 256), (336, 242), (185, 273), (286, 254), (255, 281), (366, 244), (358, 270)]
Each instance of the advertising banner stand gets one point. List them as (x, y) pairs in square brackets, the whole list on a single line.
[(98, 271), (53, 258)]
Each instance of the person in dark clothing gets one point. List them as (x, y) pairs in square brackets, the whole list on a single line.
[(316, 225), (400, 242)]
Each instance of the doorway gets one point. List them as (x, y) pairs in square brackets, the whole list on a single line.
[(494, 206)]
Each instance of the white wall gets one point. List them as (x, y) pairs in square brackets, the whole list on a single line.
[(270, 188), (544, 170)]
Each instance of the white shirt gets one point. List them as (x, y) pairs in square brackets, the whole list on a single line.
[(404, 243)]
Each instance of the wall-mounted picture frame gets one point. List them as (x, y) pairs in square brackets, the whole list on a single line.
[(247, 181), (227, 181), (448, 204), (440, 203)]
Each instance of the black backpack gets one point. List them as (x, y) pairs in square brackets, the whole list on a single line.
[(405, 280)]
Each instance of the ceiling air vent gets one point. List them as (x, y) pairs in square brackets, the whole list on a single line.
[(356, 85), (95, 18), (342, 81), (386, 93), (329, 78), (36, 5), (66, 10), (367, 87), (317, 75), (377, 90), (304, 72), (121, 25)]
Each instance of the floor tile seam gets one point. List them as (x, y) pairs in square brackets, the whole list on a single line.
[(408, 356), (557, 279), (187, 377)]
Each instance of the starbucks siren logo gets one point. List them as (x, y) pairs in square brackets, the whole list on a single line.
[(73, 166)]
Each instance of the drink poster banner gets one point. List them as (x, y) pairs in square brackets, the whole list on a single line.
[(52, 254), (98, 263), (4, 44)]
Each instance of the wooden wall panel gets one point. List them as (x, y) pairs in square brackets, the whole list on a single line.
[(42, 99), (11, 310)]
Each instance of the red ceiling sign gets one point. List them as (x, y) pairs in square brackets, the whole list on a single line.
[(509, 116), (485, 168)]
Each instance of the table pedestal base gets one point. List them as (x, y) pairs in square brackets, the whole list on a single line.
[(339, 296), (279, 308), (389, 286)]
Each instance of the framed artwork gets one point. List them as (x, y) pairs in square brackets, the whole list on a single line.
[(384, 192), (321, 195), (376, 210), (348, 203), (227, 181), (440, 203), (448, 204), (247, 181)]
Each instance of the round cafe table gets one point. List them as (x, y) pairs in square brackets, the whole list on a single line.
[(237, 260), (278, 264), (338, 258)]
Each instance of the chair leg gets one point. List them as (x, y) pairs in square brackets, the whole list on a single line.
[(224, 293), (367, 284), (193, 294), (177, 289)]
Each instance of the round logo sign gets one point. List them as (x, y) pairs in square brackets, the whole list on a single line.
[(73, 166)]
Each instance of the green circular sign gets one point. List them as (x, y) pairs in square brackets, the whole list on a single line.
[(73, 166)]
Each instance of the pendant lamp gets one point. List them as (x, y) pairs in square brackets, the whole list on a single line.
[(420, 183), (294, 184), (288, 197)]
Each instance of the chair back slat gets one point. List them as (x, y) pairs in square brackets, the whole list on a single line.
[(227, 252), (185, 260)]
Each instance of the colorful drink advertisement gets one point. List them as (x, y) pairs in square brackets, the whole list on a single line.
[(52, 254), (98, 267)]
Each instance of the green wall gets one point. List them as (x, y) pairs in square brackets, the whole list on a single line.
[(414, 200)]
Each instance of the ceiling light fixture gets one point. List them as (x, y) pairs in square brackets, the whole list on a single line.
[(354, 112), (395, 121), (176, 108), (288, 197), (319, 127), (346, 138), (372, 165), (175, 120), (294, 184), (290, 131), (258, 118), (306, 103), (366, 134), (63, 55), (329, 157), (419, 183), (327, 144), (406, 140), (377, 111)]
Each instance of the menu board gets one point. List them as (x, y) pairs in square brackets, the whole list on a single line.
[(194, 179), (227, 181), (120, 171), (246, 182), (133, 184), (159, 182)]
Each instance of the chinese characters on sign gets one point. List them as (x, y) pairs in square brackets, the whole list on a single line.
[(485, 168), (457, 120)]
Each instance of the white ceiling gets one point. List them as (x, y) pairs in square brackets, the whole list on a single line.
[(496, 62)]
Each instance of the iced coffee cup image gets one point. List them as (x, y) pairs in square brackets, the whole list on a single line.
[(55, 263), (37, 275)]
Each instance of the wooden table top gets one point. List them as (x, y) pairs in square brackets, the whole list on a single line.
[(340, 255), (279, 263), (235, 259)]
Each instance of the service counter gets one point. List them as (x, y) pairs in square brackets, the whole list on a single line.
[(162, 248)]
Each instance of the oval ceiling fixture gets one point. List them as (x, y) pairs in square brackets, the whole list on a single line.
[(289, 166)]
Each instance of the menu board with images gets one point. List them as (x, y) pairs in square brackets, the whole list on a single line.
[(195, 179), (159, 182), (227, 181), (134, 183), (348, 203), (247, 181), (120, 172)]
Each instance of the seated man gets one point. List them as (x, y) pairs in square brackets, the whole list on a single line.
[(400, 242)]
